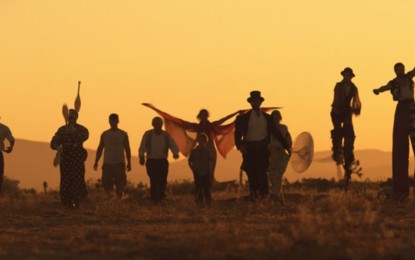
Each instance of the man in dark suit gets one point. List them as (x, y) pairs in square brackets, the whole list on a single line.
[(252, 135)]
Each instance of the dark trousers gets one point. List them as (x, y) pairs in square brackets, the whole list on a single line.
[(1, 169), (157, 170), (343, 129), (114, 175), (255, 164), (203, 188), (400, 150)]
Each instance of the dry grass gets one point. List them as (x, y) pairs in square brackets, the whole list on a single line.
[(314, 225)]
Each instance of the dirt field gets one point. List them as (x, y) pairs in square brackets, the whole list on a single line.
[(316, 223)]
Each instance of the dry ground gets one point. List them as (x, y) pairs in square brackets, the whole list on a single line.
[(314, 225)]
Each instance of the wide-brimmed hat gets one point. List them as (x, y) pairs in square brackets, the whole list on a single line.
[(255, 95), (348, 71)]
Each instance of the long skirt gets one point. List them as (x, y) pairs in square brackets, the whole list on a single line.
[(278, 163), (72, 168)]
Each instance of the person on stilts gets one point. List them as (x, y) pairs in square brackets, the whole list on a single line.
[(346, 103), (402, 90)]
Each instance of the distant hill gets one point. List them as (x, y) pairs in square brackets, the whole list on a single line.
[(377, 165), (31, 164)]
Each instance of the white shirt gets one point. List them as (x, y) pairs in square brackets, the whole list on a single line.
[(5, 133), (257, 127), (156, 146)]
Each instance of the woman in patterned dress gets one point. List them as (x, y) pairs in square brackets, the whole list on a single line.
[(69, 139)]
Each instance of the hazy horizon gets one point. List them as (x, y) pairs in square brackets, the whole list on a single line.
[(31, 164)]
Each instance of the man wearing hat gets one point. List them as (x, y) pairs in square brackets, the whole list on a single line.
[(115, 144), (402, 90), (252, 136), (346, 102)]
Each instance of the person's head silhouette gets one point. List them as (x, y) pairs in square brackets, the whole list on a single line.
[(255, 99)]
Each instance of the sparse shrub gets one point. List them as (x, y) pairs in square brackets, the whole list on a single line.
[(10, 186), (319, 221), (319, 184), (30, 191), (225, 186), (181, 188), (136, 192)]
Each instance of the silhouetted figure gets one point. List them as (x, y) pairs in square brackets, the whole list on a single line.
[(252, 136), (278, 160), (70, 138), (45, 187), (116, 144), (200, 161), (5, 133), (402, 90), (155, 146), (346, 102), (218, 134)]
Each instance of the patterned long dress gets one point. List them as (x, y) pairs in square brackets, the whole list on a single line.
[(72, 164)]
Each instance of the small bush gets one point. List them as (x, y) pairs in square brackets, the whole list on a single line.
[(10, 186)]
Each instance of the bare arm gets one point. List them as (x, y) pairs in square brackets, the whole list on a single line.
[(383, 88), (99, 152), (411, 73), (173, 147), (142, 148), (127, 150), (56, 141)]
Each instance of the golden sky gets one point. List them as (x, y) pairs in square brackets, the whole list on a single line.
[(182, 56)]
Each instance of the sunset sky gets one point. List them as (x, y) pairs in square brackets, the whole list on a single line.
[(182, 56)]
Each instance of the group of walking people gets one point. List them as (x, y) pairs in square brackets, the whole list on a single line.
[(265, 144)]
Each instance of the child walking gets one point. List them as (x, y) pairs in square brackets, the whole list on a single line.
[(200, 161)]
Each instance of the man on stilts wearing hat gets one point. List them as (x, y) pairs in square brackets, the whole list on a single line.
[(346, 103), (252, 136)]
